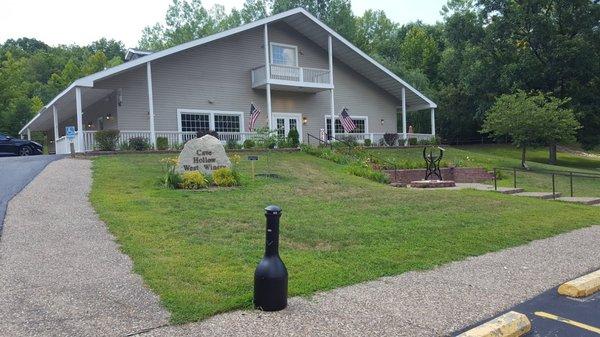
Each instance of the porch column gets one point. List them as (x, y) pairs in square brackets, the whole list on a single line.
[(332, 111), (28, 134), (433, 121), (80, 147), (150, 105), (404, 116), (55, 116), (268, 75)]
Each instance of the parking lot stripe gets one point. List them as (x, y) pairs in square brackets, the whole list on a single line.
[(567, 321), (582, 286)]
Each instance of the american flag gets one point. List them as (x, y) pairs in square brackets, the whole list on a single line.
[(347, 122), (254, 112)]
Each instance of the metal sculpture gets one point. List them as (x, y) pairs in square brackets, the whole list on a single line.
[(271, 277), (432, 163)]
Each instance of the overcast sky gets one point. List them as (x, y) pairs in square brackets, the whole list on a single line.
[(81, 22)]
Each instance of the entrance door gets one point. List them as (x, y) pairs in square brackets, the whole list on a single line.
[(284, 122)]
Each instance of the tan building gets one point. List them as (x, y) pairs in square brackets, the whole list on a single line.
[(296, 70)]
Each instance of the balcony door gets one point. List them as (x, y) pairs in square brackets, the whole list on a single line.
[(284, 122)]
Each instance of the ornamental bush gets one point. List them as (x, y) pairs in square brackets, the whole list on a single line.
[(162, 143), (248, 144), (225, 177), (193, 180), (293, 138), (367, 142), (390, 138), (106, 140), (139, 144)]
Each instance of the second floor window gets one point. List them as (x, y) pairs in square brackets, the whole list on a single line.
[(284, 54)]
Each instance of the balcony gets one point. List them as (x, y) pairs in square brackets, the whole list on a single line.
[(291, 78)]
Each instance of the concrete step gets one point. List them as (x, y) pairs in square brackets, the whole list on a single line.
[(539, 195), (581, 200), (510, 190)]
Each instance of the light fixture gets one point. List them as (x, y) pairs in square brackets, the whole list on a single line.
[(382, 121), (304, 120), (90, 125), (108, 116)]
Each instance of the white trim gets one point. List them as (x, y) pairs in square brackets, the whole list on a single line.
[(271, 44), (365, 118), (211, 117), (151, 104), (88, 81), (433, 121), (55, 122), (79, 119)]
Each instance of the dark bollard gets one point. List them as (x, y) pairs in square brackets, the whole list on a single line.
[(271, 277)]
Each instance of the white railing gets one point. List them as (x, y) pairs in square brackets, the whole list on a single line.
[(291, 74), (378, 138), (174, 138), (61, 146)]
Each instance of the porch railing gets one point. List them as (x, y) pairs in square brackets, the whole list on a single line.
[(291, 74), (378, 138), (174, 138)]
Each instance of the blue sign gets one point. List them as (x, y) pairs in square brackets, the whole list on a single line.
[(70, 131)]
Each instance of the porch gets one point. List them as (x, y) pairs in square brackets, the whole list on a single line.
[(176, 138)]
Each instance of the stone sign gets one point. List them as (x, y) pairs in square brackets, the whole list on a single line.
[(204, 154)]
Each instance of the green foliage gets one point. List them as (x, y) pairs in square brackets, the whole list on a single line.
[(366, 171), (193, 180), (225, 177), (138, 144), (367, 142), (390, 138), (531, 119), (248, 144), (162, 143), (266, 138), (232, 144), (106, 140), (171, 179), (293, 138)]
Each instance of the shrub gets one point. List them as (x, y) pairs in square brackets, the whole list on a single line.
[(124, 146), (365, 171), (162, 143), (232, 144), (106, 140), (177, 146), (248, 144), (293, 138), (171, 178), (347, 140), (225, 177), (390, 138), (204, 132), (193, 180), (138, 144), (367, 142), (413, 141)]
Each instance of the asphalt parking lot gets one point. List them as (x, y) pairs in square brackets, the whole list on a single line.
[(552, 314), (16, 173)]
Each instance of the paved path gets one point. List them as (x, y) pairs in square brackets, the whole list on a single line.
[(61, 273), (432, 303), (15, 173)]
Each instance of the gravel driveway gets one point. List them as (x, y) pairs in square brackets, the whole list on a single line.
[(61, 274), (15, 173)]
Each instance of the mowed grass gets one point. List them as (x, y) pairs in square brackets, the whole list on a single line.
[(507, 157), (198, 250)]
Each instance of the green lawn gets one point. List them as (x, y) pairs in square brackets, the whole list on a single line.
[(198, 250)]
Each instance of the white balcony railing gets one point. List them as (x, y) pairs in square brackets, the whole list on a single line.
[(297, 75)]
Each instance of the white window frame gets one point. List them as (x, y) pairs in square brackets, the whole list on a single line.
[(365, 118), (284, 46), (211, 117)]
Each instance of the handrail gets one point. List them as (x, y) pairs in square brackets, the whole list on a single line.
[(552, 173)]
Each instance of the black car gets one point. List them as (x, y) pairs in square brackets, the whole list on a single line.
[(18, 147)]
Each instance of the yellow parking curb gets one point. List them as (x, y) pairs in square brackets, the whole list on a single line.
[(511, 324), (582, 286)]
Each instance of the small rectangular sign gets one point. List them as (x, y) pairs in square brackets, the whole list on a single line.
[(252, 157), (70, 131)]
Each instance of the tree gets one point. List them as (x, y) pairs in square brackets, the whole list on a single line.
[(531, 119)]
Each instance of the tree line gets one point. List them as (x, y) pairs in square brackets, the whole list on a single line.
[(479, 51)]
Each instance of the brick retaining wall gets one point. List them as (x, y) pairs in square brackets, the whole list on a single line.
[(458, 174)]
